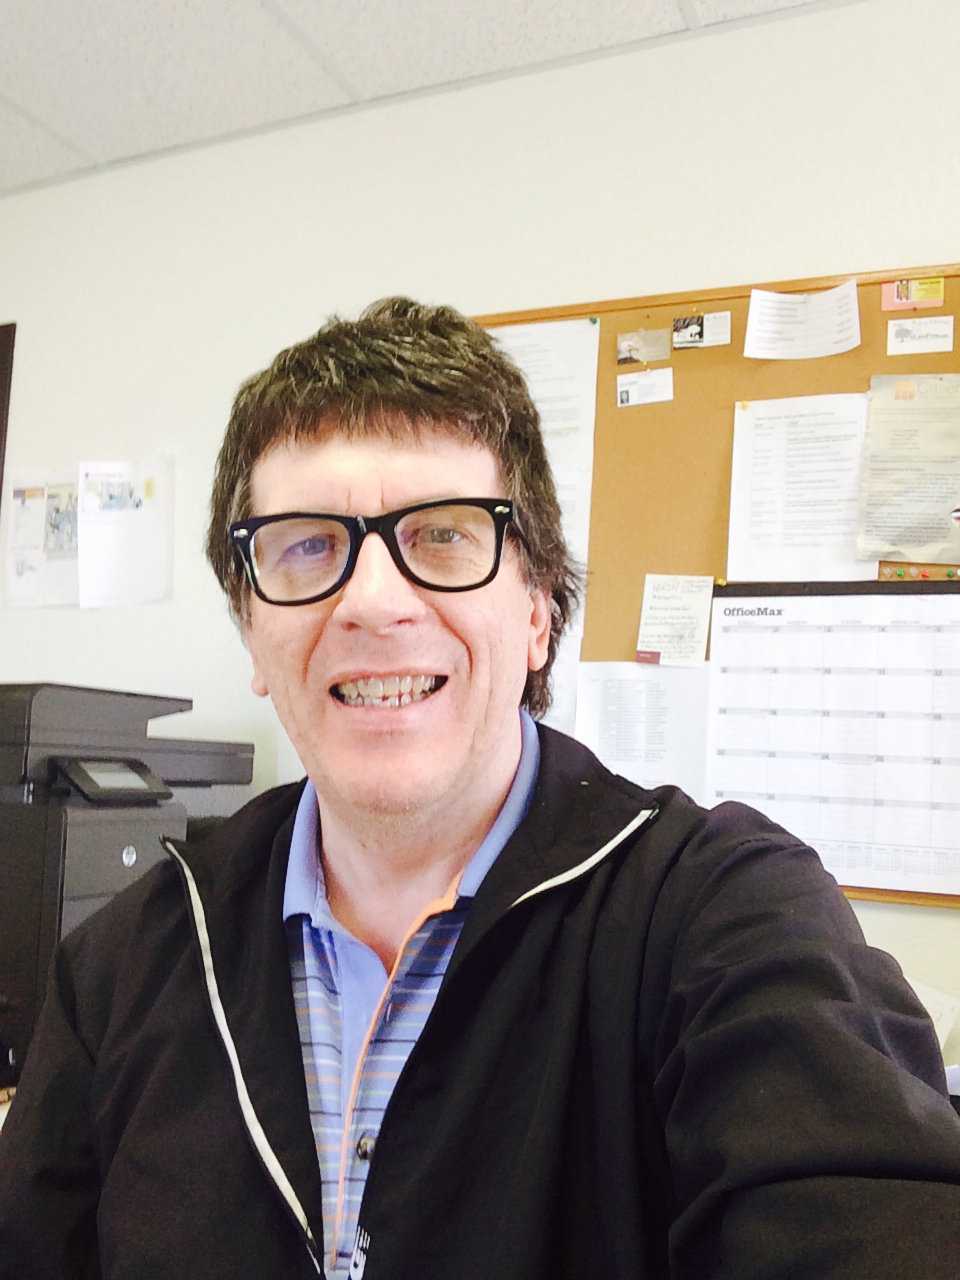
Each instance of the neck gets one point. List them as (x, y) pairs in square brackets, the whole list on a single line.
[(383, 870)]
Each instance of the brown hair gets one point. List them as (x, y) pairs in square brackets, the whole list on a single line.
[(401, 369)]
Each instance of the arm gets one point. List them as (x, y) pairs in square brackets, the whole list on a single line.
[(49, 1178), (798, 1079)]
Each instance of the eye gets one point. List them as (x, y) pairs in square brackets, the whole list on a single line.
[(299, 546), (317, 547), (442, 535)]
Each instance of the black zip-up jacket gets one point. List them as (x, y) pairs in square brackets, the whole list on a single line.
[(662, 1049)]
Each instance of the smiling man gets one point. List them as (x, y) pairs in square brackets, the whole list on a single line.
[(461, 1005)]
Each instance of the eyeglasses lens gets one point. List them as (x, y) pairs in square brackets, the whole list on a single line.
[(297, 559), (446, 546)]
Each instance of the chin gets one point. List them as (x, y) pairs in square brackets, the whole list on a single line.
[(388, 795)]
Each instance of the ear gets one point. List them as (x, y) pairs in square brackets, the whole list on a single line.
[(538, 644), (258, 681)]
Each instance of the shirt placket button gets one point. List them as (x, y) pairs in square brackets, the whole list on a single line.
[(365, 1145)]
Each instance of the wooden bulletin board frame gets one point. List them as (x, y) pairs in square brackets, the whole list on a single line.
[(661, 480)]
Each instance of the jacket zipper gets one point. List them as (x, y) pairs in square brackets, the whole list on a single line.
[(261, 1142), (259, 1138), (642, 818), (565, 877)]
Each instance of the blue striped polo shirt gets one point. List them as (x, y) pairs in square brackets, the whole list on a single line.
[(357, 1022)]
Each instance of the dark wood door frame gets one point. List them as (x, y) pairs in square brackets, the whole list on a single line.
[(8, 333)]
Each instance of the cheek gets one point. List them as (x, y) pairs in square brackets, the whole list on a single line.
[(278, 651)]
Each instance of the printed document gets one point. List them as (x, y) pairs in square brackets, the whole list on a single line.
[(559, 358), (802, 326), (910, 497), (41, 560), (839, 717), (795, 490), (126, 531), (647, 723)]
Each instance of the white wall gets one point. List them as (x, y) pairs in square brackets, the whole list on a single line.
[(822, 143)]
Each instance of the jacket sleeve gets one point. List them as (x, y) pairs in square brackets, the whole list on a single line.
[(798, 1079), (49, 1177)]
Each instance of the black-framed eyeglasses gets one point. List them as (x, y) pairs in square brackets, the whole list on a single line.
[(301, 556)]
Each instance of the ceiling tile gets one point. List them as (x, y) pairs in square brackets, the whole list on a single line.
[(28, 153), (122, 79), (710, 11), (388, 46)]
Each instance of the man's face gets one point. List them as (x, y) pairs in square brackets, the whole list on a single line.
[(459, 742)]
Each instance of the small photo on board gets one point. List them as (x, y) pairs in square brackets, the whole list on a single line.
[(628, 348), (688, 331), (646, 345)]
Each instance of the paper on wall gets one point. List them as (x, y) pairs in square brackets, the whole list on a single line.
[(795, 490), (943, 1009), (802, 326), (652, 386), (909, 295), (125, 531), (647, 723), (41, 557), (674, 619), (919, 337), (558, 359), (910, 493)]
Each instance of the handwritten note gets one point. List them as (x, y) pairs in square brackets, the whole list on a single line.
[(674, 619)]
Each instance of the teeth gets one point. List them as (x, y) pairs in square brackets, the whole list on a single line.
[(390, 691)]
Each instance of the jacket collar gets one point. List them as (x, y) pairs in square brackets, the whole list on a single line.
[(578, 809)]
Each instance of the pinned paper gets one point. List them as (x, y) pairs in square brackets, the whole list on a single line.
[(919, 337), (712, 329), (908, 295), (650, 387), (645, 345), (674, 619), (910, 478), (802, 326), (688, 331)]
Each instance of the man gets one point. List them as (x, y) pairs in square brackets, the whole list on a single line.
[(464, 1004)]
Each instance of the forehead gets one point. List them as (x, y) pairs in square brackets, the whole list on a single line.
[(371, 473)]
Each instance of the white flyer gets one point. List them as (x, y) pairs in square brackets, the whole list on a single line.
[(802, 326), (647, 723), (558, 359), (928, 334), (910, 489), (42, 544), (125, 531), (795, 490)]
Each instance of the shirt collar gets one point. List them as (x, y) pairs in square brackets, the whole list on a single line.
[(305, 892)]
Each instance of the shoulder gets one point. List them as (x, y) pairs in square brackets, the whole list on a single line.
[(575, 784)]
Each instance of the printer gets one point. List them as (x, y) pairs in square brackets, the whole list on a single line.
[(85, 795)]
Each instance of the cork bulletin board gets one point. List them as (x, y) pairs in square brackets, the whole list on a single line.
[(661, 481)]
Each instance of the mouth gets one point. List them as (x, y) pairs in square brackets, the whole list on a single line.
[(387, 692)]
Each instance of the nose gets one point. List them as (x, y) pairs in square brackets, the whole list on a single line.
[(377, 595)]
